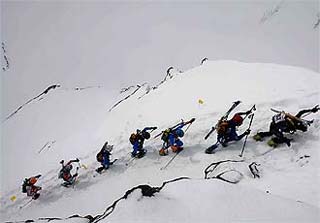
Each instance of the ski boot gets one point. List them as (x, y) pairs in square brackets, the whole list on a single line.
[(163, 152), (141, 153), (176, 149), (211, 149), (257, 137), (272, 143), (36, 196)]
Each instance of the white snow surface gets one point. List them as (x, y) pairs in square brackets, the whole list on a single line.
[(79, 123)]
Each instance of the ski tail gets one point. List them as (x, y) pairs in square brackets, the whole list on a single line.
[(234, 105), (210, 132)]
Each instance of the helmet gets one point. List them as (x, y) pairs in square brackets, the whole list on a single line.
[(33, 180), (146, 135), (67, 168), (180, 132), (237, 119)]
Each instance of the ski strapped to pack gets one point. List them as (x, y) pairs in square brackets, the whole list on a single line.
[(224, 117), (309, 122), (173, 127)]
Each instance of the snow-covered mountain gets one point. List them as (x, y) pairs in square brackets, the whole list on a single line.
[(69, 124)]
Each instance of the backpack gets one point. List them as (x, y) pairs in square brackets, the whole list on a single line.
[(278, 118), (133, 138), (99, 157), (165, 135), (24, 186), (222, 127)]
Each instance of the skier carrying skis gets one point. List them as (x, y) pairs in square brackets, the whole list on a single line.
[(104, 157), (284, 122), (227, 131), (171, 138), (30, 188), (65, 172), (137, 140)]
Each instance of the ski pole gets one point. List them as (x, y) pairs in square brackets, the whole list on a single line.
[(164, 167), (26, 204), (245, 140), (251, 109)]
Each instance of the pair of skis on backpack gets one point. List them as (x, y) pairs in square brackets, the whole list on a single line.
[(224, 118)]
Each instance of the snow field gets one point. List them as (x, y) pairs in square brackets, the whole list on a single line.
[(290, 175)]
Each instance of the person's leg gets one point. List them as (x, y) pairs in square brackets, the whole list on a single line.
[(164, 150), (279, 137), (106, 162)]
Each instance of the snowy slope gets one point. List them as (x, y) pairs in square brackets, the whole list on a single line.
[(290, 175)]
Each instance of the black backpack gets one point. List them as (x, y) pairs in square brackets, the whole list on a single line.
[(165, 135), (24, 186)]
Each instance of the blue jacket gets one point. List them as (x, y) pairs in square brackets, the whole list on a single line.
[(173, 138), (138, 144)]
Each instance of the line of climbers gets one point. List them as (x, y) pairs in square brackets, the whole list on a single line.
[(281, 123)]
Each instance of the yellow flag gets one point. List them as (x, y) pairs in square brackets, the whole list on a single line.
[(13, 198), (200, 101)]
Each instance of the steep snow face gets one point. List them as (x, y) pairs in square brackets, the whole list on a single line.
[(290, 176), (218, 84)]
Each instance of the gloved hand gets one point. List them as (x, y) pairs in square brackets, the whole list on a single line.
[(77, 160)]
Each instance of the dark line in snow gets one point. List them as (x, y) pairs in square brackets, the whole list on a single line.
[(146, 190), (318, 21), (220, 175), (168, 75), (39, 97), (5, 66), (32, 99), (128, 96), (271, 12), (47, 146)]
